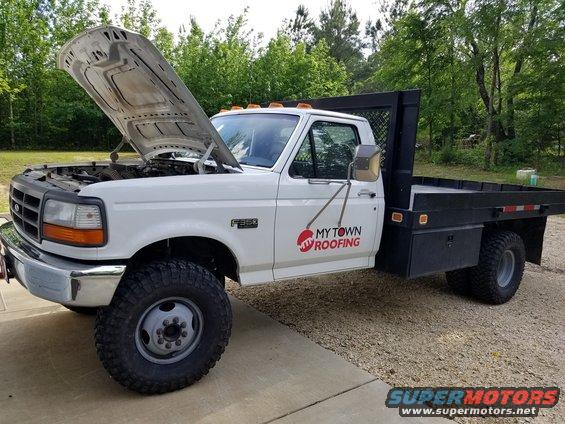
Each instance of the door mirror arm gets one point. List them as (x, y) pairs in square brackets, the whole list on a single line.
[(366, 167), (329, 181)]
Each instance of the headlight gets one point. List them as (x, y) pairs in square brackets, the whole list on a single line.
[(71, 223)]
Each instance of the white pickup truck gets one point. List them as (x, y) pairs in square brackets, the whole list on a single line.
[(257, 195)]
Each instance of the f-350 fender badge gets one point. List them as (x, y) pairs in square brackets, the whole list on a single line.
[(242, 223)]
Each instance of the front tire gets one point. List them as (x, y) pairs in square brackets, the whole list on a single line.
[(167, 325), (499, 272)]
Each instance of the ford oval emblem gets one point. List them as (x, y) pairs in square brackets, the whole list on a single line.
[(16, 207)]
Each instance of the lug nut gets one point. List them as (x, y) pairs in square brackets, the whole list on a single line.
[(159, 331), (160, 341), (166, 322), (184, 334), (176, 320), (183, 325), (168, 345), (178, 342)]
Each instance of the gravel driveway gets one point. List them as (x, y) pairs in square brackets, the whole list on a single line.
[(419, 333)]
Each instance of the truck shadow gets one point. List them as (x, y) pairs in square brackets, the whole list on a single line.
[(367, 294)]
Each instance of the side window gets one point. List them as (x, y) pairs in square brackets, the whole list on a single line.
[(303, 163), (326, 151)]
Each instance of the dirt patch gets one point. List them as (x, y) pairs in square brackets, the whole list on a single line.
[(554, 181), (420, 333)]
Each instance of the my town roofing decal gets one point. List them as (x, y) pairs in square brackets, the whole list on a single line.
[(329, 238)]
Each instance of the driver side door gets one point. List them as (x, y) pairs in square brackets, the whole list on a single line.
[(324, 153)]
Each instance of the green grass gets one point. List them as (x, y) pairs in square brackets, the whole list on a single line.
[(500, 175), (12, 163)]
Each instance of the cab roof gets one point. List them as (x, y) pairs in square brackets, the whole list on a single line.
[(291, 111)]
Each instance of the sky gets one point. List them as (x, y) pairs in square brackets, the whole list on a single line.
[(264, 16)]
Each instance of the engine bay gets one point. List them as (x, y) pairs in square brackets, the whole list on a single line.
[(73, 177)]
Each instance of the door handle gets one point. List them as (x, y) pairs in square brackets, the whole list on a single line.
[(368, 193)]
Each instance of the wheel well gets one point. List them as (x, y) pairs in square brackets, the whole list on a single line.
[(209, 253), (530, 230)]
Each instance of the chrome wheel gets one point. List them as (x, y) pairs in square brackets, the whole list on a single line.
[(506, 268), (169, 330)]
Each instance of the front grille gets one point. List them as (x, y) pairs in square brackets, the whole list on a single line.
[(24, 209)]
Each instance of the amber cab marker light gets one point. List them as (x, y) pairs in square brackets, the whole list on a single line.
[(275, 105), (423, 220), (236, 108), (90, 237), (253, 106), (303, 106), (397, 217), (224, 110)]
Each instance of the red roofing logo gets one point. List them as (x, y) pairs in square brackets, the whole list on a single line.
[(305, 240)]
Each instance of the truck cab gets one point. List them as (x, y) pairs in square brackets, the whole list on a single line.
[(309, 169)]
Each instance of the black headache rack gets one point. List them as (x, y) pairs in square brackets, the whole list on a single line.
[(436, 224), (393, 117)]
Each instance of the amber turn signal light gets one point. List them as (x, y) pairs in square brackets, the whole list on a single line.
[(91, 237)]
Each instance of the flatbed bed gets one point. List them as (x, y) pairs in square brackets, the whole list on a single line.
[(427, 189)]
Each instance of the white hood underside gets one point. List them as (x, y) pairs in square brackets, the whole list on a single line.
[(140, 92)]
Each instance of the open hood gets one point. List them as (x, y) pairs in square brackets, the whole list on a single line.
[(140, 92)]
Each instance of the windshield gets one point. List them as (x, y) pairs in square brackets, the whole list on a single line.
[(256, 139)]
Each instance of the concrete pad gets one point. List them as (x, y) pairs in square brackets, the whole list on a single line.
[(2, 304), (364, 404), (16, 298), (49, 373)]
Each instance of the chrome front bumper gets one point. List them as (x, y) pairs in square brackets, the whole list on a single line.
[(54, 278)]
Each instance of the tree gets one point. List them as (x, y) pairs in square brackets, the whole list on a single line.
[(537, 87), (372, 32), (474, 61), (300, 28), (139, 17), (23, 52), (496, 34), (487, 67), (10, 92), (286, 72), (339, 27)]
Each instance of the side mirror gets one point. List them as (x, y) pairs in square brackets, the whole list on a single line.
[(367, 163)]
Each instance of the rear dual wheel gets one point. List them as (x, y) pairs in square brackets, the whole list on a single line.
[(167, 325), (497, 276)]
